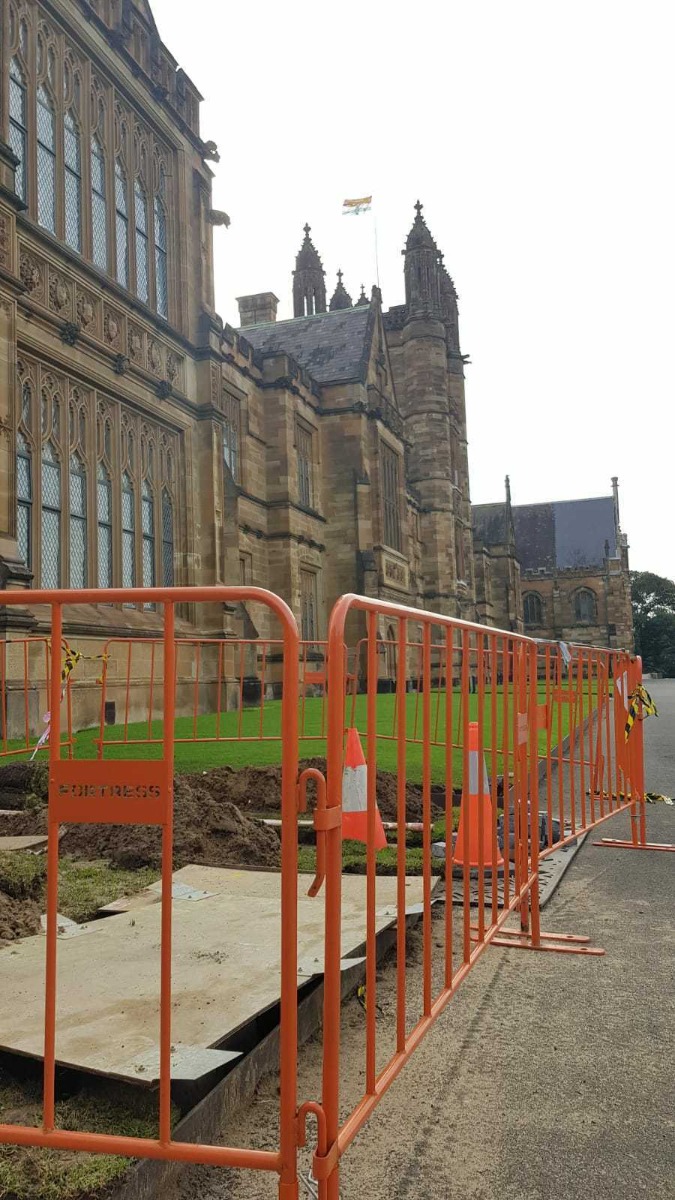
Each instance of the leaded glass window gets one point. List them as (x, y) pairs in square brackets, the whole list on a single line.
[(148, 521), (231, 437), (18, 125), (73, 181), (308, 606), (104, 517), (46, 161), (51, 518), (391, 496), (303, 444), (142, 280), (24, 499), (121, 225), (167, 540), (78, 523), (99, 228), (161, 273), (128, 532)]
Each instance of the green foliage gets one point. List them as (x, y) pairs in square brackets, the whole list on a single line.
[(653, 600), (85, 887), (22, 874), (34, 1174)]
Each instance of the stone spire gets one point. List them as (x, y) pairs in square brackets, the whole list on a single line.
[(309, 280), (422, 271), (341, 297), (363, 299), (449, 308)]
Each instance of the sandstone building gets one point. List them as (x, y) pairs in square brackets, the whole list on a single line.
[(144, 442)]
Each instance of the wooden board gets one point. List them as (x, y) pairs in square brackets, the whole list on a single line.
[(226, 959), (28, 841)]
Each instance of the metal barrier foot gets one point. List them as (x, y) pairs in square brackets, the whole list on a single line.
[(559, 943), (617, 844)]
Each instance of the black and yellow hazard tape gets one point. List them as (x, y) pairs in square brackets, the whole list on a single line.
[(640, 705)]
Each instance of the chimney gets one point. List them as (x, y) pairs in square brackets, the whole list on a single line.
[(260, 309)]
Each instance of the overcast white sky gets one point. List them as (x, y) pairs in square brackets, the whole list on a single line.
[(539, 136)]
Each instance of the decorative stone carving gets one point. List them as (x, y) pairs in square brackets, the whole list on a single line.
[(70, 333), (31, 275), (112, 328), (120, 364), (59, 293), (155, 356), (135, 340), (4, 241), (164, 389), (86, 311), (172, 367)]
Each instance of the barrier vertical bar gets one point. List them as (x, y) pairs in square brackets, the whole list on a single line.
[(371, 802), (449, 797), (549, 748), (167, 875), (288, 1023), (401, 792), (533, 805), (426, 814), (480, 672), (492, 643), (506, 790), (333, 903), (52, 877), (466, 875)]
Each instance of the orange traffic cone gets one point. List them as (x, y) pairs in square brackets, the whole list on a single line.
[(355, 796), (469, 812)]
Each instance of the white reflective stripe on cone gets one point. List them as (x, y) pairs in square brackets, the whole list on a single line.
[(354, 781), (473, 776)]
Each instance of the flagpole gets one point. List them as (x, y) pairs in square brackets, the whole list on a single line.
[(377, 259)]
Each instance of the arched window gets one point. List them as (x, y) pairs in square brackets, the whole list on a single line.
[(73, 181), (128, 532), (121, 225), (141, 207), (104, 516), (161, 272), (584, 607), (148, 514), (167, 540), (533, 609), (46, 161), (99, 218), (24, 498), (51, 518), (78, 523), (18, 125)]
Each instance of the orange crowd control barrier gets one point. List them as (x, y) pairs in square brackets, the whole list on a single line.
[(528, 740), (25, 666)]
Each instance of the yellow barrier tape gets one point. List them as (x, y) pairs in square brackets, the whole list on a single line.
[(640, 705)]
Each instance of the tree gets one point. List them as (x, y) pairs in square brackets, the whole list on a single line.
[(653, 600)]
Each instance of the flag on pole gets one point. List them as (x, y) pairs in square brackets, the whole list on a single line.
[(355, 207)]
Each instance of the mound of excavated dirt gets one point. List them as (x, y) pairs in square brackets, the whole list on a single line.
[(258, 790), (18, 918), (206, 830), (23, 785)]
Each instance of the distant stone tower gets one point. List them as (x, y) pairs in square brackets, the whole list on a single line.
[(431, 396), (309, 280)]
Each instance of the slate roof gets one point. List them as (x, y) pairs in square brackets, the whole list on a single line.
[(489, 524), (561, 535), (333, 346)]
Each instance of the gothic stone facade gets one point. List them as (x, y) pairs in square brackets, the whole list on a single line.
[(558, 571), (143, 442)]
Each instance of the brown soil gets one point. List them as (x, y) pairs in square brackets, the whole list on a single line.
[(207, 830), (258, 790), (18, 918)]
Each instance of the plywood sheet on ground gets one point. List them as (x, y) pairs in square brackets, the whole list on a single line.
[(226, 960)]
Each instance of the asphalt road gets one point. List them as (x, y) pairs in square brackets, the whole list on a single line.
[(548, 1077)]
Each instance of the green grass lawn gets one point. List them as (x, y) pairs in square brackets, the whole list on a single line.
[(242, 734)]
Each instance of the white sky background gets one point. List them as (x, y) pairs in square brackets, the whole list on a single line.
[(539, 136)]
